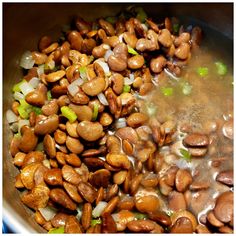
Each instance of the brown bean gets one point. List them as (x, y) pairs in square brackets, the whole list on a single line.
[(160, 217), (224, 207), (144, 226), (70, 175), (37, 198), (202, 229), (226, 230), (135, 62), (31, 157), (112, 191), (149, 180), (128, 133), (135, 184), (197, 152), (72, 192), (50, 108), (100, 195), (39, 218), (118, 83), (55, 76), (49, 146), (87, 191), (226, 177), (165, 189), (118, 160), (100, 50), (19, 159), (157, 64), (196, 140), (94, 87), (79, 98), (107, 26), (53, 176), (147, 203), (145, 88), (39, 174), (182, 225), (59, 219), (176, 201), (213, 220), (199, 185), (60, 136), (53, 163), (44, 42), (130, 39), (182, 52), (72, 226), (136, 119), (228, 129), (46, 124), (100, 178), (73, 159), (18, 182), (119, 177), (39, 58), (86, 215), (183, 180), (111, 205), (52, 47), (74, 145), (105, 119), (60, 156), (71, 129), (112, 41), (108, 224), (90, 131), (75, 40), (182, 38), (126, 203), (93, 163), (83, 112), (165, 38), (116, 63), (196, 35)]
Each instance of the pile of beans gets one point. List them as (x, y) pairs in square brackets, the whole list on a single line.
[(106, 165)]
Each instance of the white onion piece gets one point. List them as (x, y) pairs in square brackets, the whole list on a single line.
[(34, 82), (97, 211), (121, 36), (46, 163), (26, 60), (73, 87), (144, 27), (116, 217), (79, 211), (102, 99), (108, 53), (18, 96), (26, 88), (11, 116), (14, 127), (104, 66), (40, 69), (120, 123), (183, 164), (22, 123), (48, 212), (51, 64)]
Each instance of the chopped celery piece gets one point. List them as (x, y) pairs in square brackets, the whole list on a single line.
[(16, 87), (23, 112), (111, 19), (49, 95), (132, 51), (24, 103), (37, 110), (187, 88), (82, 72), (221, 68), (17, 135), (59, 230), (95, 112), (140, 216), (141, 14), (202, 71), (169, 212), (185, 154), (126, 88), (68, 113), (175, 28), (167, 91), (96, 222)]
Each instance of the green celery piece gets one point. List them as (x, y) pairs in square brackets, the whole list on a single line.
[(221, 68), (175, 28), (59, 230), (82, 71), (141, 14), (95, 112), (140, 216), (202, 71), (132, 51), (111, 19), (16, 87), (49, 95), (68, 113), (167, 91), (96, 222), (126, 88), (23, 112), (37, 110), (169, 212), (185, 154)]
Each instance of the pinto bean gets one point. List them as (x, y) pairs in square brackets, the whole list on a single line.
[(60, 156), (182, 52), (49, 146), (182, 38), (223, 210), (83, 112), (160, 217), (86, 215), (213, 220), (183, 180), (128, 133), (94, 87), (196, 140), (46, 124), (182, 225), (226, 177), (100, 178), (135, 62), (60, 136), (105, 119), (79, 98), (100, 50), (70, 175), (73, 159), (75, 39), (87, 191), (197, 152), (72, 226), (165, 38), (53, 177), (116, 63), (147, 203), (176, 201), (130, 39), (108, 224), (118, 83), (118, 160), (59, 219), (44, 42), (144, 226), (157, 64), (31, 157), (74, 145), (19, 159), (111, 205), (50, 108), (93, 163), (71, 129), (196, 35), (107, 26), (72, 192), (39, 58), (136, 119)]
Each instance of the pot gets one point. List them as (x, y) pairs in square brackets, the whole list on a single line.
[(25, 23)]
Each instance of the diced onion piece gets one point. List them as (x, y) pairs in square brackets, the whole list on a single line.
[(34, 82), (102, 99), (79, 211), (121, 36), (26, 60), (14, 127), (144, 27), (46, 163), (22, 123), (97, 211), (26, 88), (104, 66), (48, 212), (120, 123), (116, 217), (11, 116), (73, 89), (108, 53), (40, 69)]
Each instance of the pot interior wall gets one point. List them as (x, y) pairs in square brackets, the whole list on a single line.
[(24, 24)]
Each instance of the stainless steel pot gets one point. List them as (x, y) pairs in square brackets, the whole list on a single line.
[(24, 24)]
